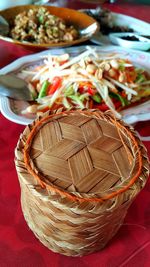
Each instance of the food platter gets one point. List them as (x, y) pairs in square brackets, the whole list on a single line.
[(12, 109), (136, 25)]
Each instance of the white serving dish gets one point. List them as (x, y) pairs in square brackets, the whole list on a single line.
[(142, 44), (11, 109), (137, 25)]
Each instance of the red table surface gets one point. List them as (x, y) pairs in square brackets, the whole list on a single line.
[(18, 245)]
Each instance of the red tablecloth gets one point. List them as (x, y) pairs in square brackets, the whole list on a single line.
[(19, 247)]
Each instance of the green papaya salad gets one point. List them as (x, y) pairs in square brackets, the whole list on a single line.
[(89, 80)]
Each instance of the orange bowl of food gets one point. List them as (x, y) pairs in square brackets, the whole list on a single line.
[(47, 26)]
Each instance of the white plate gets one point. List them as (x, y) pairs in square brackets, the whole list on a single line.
[(142, 44), (11, 109), (137, 25)]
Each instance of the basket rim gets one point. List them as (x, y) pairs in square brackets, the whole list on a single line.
[(81, 196)]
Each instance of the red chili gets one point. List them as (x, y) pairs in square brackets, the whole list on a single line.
[(56, 83)]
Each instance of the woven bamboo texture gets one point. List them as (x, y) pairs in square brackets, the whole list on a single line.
[(79, 171)]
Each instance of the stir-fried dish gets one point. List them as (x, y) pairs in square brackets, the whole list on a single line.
[(89, 80), (39, 26)]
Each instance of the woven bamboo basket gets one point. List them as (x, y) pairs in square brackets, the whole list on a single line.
[(79, 172)]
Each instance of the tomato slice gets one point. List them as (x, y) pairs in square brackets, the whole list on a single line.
[(44, 109), (56, 83), (63, 62), (130, 76), (104, 107), (87, 87)]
